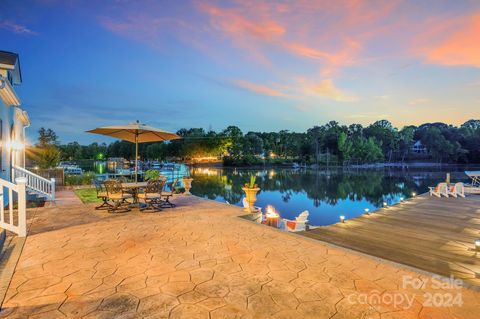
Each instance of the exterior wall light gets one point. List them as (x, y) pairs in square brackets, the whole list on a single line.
[(17, 146)]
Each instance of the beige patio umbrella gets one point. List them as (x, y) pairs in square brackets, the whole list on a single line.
[(136, 133)]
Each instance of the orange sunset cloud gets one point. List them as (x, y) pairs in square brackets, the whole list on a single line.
[(327, 89), (259, 89), (461, 46)]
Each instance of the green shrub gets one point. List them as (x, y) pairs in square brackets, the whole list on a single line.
[(151, 174), (247, 160), (84, 179)]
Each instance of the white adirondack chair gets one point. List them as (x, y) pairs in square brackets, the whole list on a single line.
[(456, 190), (299, 224), (460, 189), (303, 216), (439, 190), (451, 191)]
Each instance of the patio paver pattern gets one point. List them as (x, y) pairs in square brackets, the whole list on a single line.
[(200, 260)]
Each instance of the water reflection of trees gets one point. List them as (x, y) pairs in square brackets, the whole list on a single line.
[(328, 186)]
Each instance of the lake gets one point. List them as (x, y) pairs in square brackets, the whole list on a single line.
[(326, 194)]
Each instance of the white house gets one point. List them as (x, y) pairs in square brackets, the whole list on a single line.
[(13, 119), (15, 180), (419, 148)]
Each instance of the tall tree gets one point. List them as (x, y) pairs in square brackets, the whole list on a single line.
[(48, 154), (47, 137)]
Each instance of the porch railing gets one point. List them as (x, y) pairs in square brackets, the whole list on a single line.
[(14, 217), (35, 183)]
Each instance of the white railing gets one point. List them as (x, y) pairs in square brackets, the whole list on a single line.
[(35, 183), (8, 221)]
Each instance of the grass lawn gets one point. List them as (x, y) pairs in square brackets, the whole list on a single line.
[(87, 195)]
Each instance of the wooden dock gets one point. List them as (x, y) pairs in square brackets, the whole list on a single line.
[(433, 234)]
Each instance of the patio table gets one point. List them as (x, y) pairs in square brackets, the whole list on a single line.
[(134, 186)]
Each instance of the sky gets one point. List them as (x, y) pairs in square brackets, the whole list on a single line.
[(260, 65)]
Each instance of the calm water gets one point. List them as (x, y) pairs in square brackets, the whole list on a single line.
[(326, 194)]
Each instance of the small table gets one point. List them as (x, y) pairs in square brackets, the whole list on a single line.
[(134, 186)]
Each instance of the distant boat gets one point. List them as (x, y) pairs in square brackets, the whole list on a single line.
[(69, 169), (125, 172), (156, 165), (474, 187), (171, 170)]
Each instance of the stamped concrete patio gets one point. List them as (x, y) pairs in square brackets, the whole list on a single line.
[(200, 260)]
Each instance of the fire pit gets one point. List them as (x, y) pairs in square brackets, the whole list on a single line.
[(272, 218)]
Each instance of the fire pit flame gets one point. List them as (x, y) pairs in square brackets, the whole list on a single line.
[(271, 213)]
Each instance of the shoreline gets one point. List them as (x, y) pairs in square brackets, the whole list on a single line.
[(359, 166)]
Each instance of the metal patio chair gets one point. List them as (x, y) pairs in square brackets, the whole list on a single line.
[(101, 194), (123, 179), (167, 194), (119, 198), (152, 195)]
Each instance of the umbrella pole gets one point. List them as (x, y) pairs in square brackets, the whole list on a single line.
[(136, 157)]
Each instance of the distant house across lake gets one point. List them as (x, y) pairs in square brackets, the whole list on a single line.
[(419, 148)]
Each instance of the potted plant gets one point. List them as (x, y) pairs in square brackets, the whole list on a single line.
[(151, 174), (251, 189), (187, 184)]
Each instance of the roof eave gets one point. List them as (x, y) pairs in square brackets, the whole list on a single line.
[(8, 95), (18, 72), (22, 115), (15, 69)]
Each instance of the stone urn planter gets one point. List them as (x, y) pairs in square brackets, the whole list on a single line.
[(187, 184), (251, 197)]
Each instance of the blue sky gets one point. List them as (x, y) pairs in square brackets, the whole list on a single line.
[(261, 65)]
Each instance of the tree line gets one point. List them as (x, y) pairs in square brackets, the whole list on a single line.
[(332, 142)]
